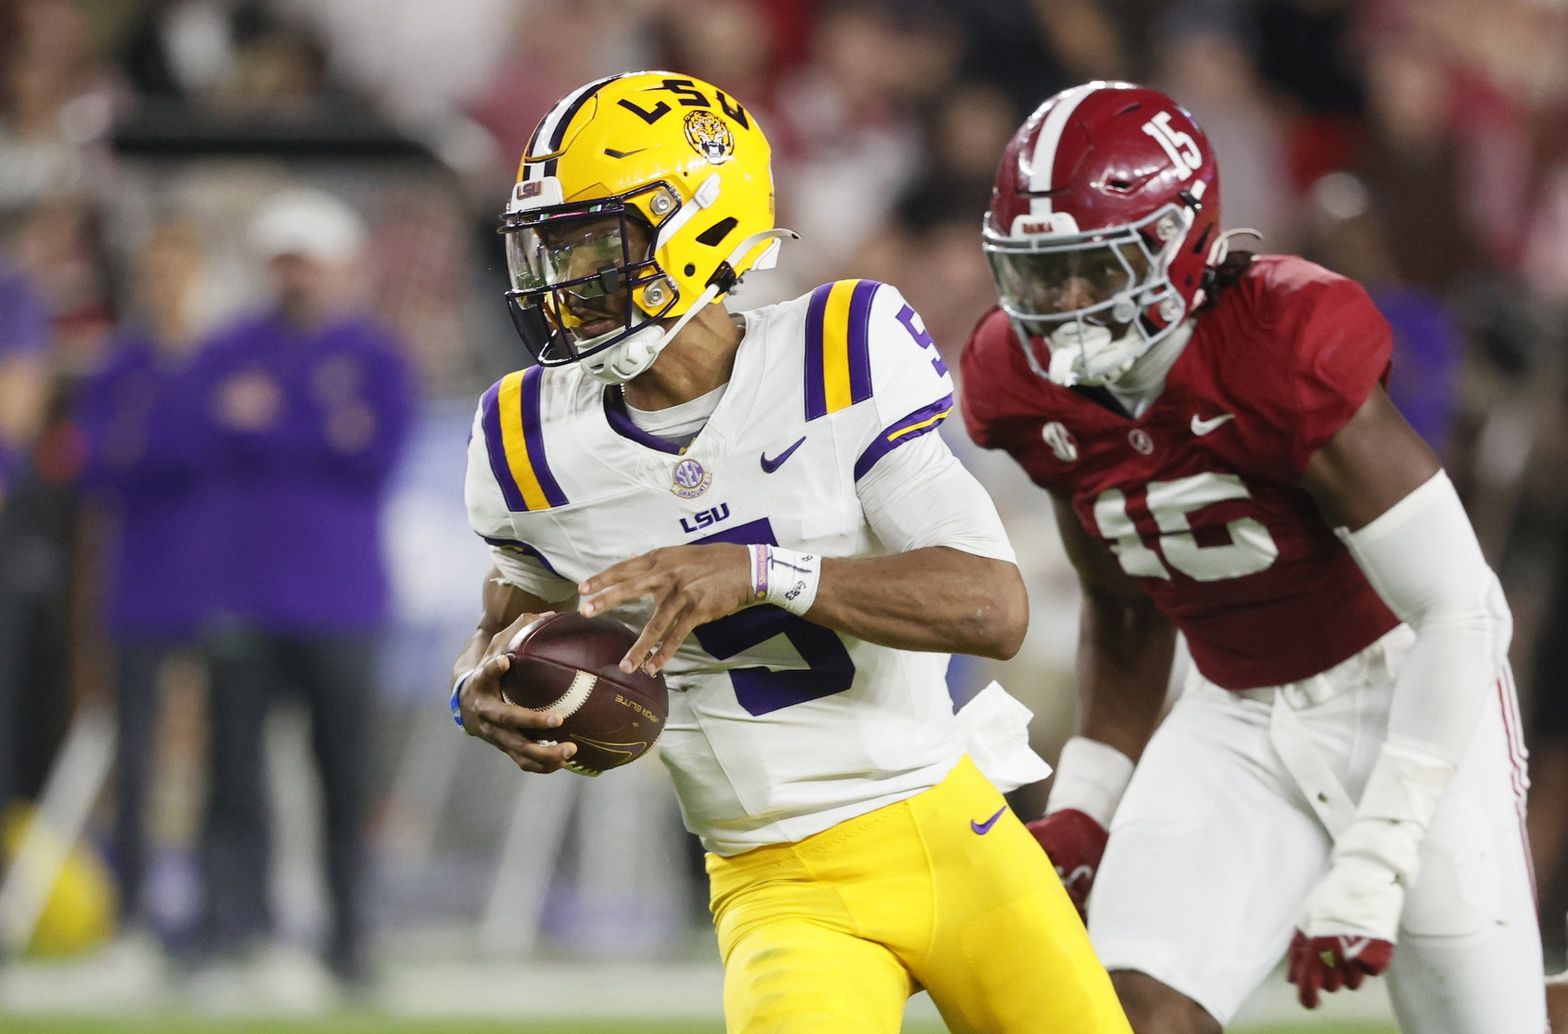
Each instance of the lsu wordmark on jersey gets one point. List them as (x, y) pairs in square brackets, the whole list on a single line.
[(761, 738)]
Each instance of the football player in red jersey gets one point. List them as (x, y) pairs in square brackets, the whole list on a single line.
[(1343, 772)]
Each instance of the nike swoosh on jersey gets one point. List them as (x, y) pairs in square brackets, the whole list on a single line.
[(982, 828), (1201, 427), (770, 465)]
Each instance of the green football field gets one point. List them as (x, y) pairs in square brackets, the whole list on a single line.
[(375, 1024)]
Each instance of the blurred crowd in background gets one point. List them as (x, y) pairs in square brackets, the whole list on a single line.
[(250, 289)]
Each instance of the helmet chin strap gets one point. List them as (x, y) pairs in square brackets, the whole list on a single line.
[(637, 351)]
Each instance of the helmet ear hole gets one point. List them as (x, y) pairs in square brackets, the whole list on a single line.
[(714, 235)]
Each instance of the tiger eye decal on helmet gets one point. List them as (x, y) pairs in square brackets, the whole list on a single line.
[(650, 163)]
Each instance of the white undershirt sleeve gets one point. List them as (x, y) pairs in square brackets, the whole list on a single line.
[(919, 495), (1422, 557), (530, 575)]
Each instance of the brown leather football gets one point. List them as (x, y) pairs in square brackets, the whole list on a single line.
[(570, 664)]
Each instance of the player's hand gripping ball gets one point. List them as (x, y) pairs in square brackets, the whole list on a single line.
[(570, 665)]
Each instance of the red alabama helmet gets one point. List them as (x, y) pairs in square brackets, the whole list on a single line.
[(1105, 211)]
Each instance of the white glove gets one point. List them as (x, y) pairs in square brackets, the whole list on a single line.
[(1350, 921)]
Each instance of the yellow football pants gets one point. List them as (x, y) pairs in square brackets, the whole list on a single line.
[(946, 890)]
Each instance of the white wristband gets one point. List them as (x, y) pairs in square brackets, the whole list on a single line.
[(784, 577), (1090, 777)]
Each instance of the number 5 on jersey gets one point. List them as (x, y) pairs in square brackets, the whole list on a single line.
[(1251, 548)]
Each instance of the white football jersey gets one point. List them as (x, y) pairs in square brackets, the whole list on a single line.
[(778, 727)]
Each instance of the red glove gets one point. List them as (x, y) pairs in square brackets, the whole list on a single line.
[(1074, 842), (1329, 963)]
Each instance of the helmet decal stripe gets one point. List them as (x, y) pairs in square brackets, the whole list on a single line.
[(1045, 145), (558, 134), (552, 128)]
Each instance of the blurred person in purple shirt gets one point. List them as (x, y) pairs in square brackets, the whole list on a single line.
[(24, 340), (144, 461), (307, 404), (24, 337)]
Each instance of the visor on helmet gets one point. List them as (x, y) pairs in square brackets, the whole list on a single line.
[(1073, 279), (1094, 293), (575, 272)]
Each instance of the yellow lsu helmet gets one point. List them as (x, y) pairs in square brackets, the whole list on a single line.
[(641, 199)]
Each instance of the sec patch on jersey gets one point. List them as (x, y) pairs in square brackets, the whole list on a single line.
[(569, 664)]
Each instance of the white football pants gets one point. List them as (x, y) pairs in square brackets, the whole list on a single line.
[(1222, 834)]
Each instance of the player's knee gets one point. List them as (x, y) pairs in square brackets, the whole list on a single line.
[(1154, 1008)]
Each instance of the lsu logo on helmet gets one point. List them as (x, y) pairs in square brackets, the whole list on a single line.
[(710, 137)]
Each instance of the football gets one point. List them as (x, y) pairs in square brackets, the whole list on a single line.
[(569, 664)]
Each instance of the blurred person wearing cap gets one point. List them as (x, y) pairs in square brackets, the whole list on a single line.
[(143, 471), (308, 402)]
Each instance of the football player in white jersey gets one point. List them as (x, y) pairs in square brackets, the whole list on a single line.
[(760, 497)]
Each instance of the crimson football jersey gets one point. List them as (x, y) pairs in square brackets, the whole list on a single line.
[(1199, 498)]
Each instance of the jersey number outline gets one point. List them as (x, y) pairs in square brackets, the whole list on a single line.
[(1251, 548), (760, 689)]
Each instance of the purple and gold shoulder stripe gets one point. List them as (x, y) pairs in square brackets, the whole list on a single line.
[(838, 356), (509, 413), (924, 419)]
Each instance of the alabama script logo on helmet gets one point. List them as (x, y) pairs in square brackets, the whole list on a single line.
[(710, 137)]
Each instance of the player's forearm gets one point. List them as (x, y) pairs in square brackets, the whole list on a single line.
[(936, 599), (1124, 664), (473, 651), (502, 605)]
